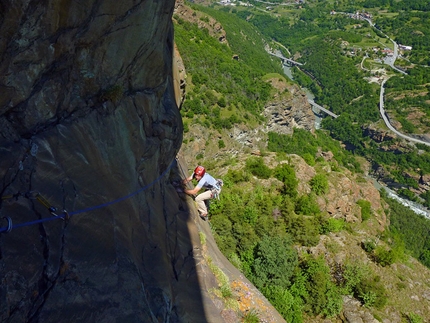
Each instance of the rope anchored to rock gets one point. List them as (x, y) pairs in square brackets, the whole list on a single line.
[(66, 215)]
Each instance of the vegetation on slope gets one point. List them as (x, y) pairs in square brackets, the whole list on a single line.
[(263, 223), (333, 47), (225, 91)]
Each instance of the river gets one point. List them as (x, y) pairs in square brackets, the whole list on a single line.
[(417, 208)]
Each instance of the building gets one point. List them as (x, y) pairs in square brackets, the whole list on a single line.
[(404, 47)]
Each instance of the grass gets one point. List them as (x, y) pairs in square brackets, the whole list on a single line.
[(251, 317), (202, 238), (224, 290)]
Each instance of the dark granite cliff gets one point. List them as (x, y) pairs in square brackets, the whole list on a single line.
[(88, 115)]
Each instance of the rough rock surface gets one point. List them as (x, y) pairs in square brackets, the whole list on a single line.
[(89, 123), (203, 21), (287, 113)]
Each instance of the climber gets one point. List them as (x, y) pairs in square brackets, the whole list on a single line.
[(212, 186)]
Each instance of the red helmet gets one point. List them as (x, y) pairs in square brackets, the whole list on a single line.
[(200, 171)]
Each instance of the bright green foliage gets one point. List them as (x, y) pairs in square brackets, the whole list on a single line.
[(304, 229), (366, 211), (319, 184), (332, 225), (369, 245), (256, 166), (352, 274), (286, 174), (412, 228), (359, 281), (251, 317), (371, 292), (286, 304), (307, 205), (386, 257), (251, 214), (221, 144), (415, 318), (221, 82), (303, 143), (309, 159), (274, 262), (237, 176), (323, 296)]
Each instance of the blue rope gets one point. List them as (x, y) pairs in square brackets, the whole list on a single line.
[(66, 215)]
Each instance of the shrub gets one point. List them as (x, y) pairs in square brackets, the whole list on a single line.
[(322, 294), (319, 184), (186, 127), (384, 257), (352, 274), (369, 245), (287, 175), (286, 304), (222, 102), (304, 229), (307, 205), (221, 144), (365, 209), (257, 167), (332, 225), (275, 262), (371, 292), (237, 176), (414, 318), (309, 159), (235, 261)]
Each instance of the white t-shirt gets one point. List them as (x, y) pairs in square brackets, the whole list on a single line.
[(207, 181)]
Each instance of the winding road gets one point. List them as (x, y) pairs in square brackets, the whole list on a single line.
[(387, 121), (390, 61)]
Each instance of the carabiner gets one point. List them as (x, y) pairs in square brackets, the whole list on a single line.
[(9, 224)]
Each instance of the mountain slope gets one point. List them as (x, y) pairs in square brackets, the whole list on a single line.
[(339, 239)]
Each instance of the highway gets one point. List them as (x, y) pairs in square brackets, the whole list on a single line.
[(387, 121)]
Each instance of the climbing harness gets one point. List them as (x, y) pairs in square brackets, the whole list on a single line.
[(66, 215)]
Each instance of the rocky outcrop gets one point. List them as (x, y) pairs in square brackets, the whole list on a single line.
[(214, 28), (378, 135), (289, 112)]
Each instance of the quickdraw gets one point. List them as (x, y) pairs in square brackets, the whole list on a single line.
[(34, 195)]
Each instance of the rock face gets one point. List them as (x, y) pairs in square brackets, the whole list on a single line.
[(88, 115), (288, 113)]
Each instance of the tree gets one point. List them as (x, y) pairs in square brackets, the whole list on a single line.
[(319, 184), (287, 175), (275, 262)]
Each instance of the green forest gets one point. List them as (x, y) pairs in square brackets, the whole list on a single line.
[(337, 83)]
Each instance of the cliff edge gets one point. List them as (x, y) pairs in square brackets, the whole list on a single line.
[(89, 124)]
